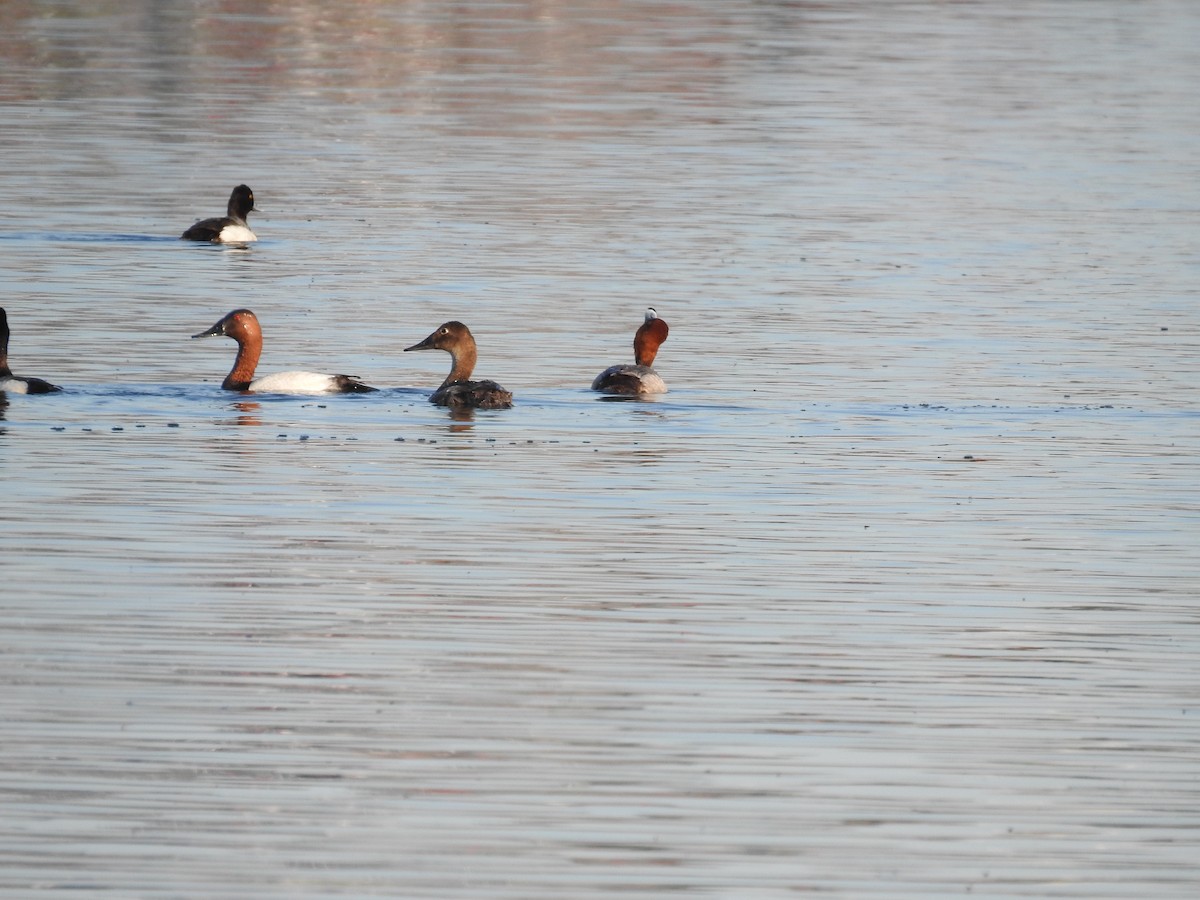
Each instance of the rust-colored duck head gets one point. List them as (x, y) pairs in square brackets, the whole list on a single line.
[(648, 338)]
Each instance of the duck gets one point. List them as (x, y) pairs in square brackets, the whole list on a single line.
[(639, 378), (230, 228), (458, 391), (14, 384), (242, 325)]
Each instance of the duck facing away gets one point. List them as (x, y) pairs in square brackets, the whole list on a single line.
[(14, 384), (458, 391), (242, 325), (230, 228), (639, 378)]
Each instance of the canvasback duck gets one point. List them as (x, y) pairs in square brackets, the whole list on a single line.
[(242, 325), (230, 228), (458, 391), (14, 384), (638, 378)]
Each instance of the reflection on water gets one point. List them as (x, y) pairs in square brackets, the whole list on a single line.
[(893, 594), (86, 238), (248, 413)]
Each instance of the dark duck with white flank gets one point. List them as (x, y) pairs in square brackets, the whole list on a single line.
[(230, 228), (14, 384), (639, 378), (458, 391), (242, 325)]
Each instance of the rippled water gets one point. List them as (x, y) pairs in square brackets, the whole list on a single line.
[(893, 595)]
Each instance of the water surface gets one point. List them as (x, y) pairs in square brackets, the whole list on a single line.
[(894, 594)]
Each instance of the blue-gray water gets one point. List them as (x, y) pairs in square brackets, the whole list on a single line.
[(894, 595)]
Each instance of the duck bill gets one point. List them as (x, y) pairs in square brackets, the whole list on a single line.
[(212, 332), (426, 344)]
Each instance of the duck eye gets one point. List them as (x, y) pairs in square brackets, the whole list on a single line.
[(444, 331)]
